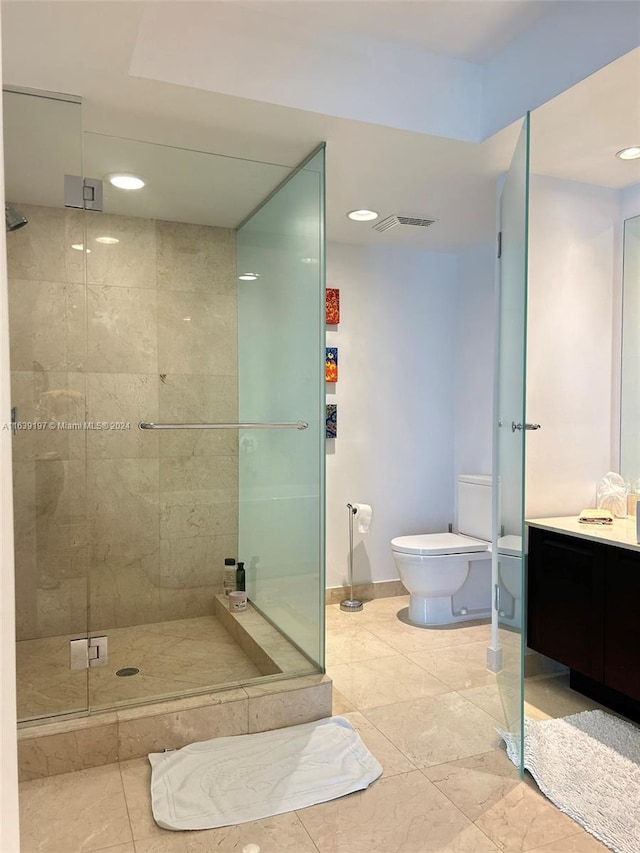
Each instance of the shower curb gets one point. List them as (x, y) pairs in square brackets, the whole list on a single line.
[(68, 745)]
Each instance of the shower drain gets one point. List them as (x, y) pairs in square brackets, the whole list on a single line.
[(128, 670)]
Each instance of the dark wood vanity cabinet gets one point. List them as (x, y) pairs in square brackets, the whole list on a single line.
[(583, 610), (565, 584), (622, 622)]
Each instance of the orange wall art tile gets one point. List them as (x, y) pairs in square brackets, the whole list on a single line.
[(331, 365), (333, 306)]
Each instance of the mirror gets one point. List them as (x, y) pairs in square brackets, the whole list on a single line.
[(630, 383)]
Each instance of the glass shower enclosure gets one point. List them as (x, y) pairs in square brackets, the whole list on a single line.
[(508, 628), (194, 307)]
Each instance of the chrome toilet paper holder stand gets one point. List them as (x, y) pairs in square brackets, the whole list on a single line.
[(351, 604)]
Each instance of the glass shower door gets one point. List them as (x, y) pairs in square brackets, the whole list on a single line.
[(281, 304), (509, 441), (47, 338)]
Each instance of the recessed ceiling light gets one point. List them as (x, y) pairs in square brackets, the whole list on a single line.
[(249, 276), (362, 215), (309, 260), (108, 241), (632, 153), (125, 181), (79, 247)]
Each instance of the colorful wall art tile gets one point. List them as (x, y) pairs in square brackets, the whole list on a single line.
[(331, 365), (333, 306), (332, 421)]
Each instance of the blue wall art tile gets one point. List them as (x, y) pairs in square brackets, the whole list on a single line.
[(332, 420)]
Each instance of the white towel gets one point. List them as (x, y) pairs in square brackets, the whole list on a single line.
[(363, 515), (233, 780)]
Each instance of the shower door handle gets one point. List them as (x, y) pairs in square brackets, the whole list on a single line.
[(295, 425), (515, 426)]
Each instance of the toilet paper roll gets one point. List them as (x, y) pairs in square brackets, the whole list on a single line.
[(363, 514)]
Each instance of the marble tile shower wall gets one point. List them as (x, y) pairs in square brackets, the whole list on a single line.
[(133, 524)]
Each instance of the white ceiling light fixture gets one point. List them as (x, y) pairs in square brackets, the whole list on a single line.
[(79, 247), (107, 241), (249, 276), (631, 153), (125, 181), (363, 215)]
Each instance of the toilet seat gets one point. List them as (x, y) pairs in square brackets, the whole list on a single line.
[(438, 544)]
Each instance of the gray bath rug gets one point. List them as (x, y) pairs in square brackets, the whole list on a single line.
[(588, 765), (232, 780)]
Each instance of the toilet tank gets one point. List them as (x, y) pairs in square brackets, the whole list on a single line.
[(474, 505)]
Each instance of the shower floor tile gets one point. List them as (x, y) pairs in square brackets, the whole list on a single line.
[(173, 658)]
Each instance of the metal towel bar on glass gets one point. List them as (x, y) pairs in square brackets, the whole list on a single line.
[(296, 425)]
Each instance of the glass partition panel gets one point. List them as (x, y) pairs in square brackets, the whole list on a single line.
[(43, 143), (509, 471), (281, 379), (630, 393)]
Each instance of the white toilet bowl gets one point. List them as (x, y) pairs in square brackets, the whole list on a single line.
[(433, 567)]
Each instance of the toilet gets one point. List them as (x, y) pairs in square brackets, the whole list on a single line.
[(448, 575)]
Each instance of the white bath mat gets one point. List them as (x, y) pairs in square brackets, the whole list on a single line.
[(233, 780), (588, 764)]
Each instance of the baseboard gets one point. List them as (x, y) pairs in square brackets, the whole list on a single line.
[(366, 591)]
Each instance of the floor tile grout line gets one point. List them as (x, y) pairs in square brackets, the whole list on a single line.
[(383, 735), (304, 827), (126, 800), (113, 847), (475, 822), (458, 809)]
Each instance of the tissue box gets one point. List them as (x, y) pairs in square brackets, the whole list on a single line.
[(632, 503)]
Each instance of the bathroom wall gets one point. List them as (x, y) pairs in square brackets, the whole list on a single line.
[(474, 360), (136, 523), (630, 201), (396, 401), (572, 357)]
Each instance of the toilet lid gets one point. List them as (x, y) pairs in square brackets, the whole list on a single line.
[(433, 544)]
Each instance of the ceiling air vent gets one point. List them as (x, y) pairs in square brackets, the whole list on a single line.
[(396, 219)]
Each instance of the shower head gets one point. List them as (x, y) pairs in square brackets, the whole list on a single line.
[(14, 218)]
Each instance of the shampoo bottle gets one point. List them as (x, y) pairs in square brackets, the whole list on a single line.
[(240, 578), (229, 576)]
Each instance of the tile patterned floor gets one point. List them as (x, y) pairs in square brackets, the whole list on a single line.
[(174, 657), (426, 709)]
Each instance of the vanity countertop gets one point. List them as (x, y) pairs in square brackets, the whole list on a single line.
[(621, 533)]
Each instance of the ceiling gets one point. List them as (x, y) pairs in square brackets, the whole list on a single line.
[(467, 29), (574, 136)]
